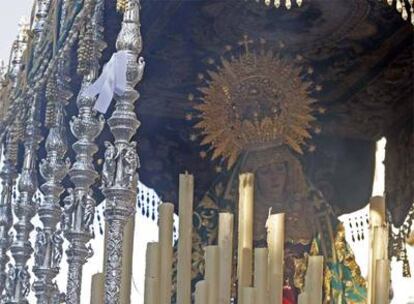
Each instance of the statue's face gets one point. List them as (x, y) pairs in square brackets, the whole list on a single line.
[(271, 180)]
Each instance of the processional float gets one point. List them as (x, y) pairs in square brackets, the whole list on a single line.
[(32, 89)]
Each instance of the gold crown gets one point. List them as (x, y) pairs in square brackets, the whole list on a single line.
[(254, 100)]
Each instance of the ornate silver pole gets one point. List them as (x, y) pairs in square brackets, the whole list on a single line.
[(42, 11), (25, 207), (79, 206), (119, 176), (8, 173), (18, 282), (48, 244)]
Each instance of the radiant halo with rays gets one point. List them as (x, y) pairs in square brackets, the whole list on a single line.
[(255, 99)]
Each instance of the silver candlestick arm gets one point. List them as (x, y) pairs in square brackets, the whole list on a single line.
[(119, 174)]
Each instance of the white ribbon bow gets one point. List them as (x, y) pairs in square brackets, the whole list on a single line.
[(112, 80)]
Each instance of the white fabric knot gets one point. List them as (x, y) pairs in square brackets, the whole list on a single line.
[(112, 80)]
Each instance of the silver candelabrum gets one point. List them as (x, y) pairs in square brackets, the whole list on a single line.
[(79, 205), (18, 281), (48, 244), (9, 172), (119, 174)]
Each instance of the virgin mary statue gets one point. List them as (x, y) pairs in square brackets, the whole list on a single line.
[(311, 227), (257, 113)]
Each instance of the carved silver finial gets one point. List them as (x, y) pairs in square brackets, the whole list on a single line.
[(42, 10), (18, 48), (119, 176), (129, 38)]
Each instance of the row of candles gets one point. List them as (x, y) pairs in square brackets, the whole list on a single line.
[(259, 270)]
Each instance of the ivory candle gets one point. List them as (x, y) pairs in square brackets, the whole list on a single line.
[(276, 241), (261, 275), (303, 298), (201, 296), (248, 295), (225, 243), (152, 267), (166, 211), (211, 272), (97, 288), (152, 291), (152, 274), (378, 241), (186, 193), (245, 230), (246, 269), (377, 211), (314, 283), (382, 282)]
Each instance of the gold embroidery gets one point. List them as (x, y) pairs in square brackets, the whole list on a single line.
[(300, 272), (327, 279), (314, 248), (345, 256)]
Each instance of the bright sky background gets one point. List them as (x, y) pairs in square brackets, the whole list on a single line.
[(10, 13)]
